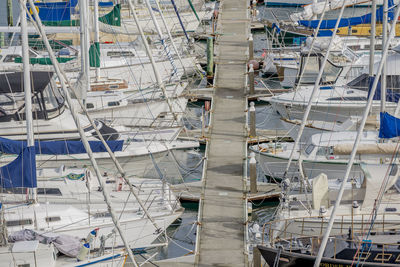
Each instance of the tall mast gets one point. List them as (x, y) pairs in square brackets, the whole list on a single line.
[(160, 83), (161, 35), (85, 43), (356, 142), (170, 35), (314, 91), (372, 40), (27, 85), (384, 40), (82, 135), (96, 35)]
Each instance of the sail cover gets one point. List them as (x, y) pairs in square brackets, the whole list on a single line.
[(389, 127), (21, 172), (58, 147), (345, 22), (54, 11)]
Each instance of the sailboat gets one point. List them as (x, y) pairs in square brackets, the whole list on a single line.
[(21, 174)]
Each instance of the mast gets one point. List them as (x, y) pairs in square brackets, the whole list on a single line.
[(85, 43), (160, 83), (179, 18), (372, 40), (85, 142), (60, 71), (315, 90), (384, 40), (357, 141), (161, 35), (96, 35), (27, 86), (170, 36)]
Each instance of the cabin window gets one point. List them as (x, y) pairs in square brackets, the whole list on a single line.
[(49, 191), (53, 219), (19, 222), (351, 98), (120, 54), (89, 105), (40, 191), (383, 257), (311, 69), (331, 72), (322, 151), (102, 214), (10, 58), (354, 31), (24, 265), (113, 103), (393, 170), (309, 149), (390, 209)]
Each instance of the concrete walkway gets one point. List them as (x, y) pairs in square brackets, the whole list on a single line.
[(223, 206)]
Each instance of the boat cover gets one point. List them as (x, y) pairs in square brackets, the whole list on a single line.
[(21, 172), (66, 244), (389, 126)]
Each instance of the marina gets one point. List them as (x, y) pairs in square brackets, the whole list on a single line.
[(199, 133)]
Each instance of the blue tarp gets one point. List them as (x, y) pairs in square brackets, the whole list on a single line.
[(21, 172), (57, 147), (365, 19), (55, 11), (391, 95), (389, 126), (106, 4)]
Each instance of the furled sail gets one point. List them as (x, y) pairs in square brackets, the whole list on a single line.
[(375, 148)]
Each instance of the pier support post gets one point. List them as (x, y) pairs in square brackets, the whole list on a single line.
[(256, 257), (210, 58), (253, 173), (252, 111), (251, 79), (10, 13), (251, 47)]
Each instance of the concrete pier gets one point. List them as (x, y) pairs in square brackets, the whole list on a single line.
[(223, 205)]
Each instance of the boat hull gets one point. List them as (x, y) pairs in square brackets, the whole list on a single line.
[(287, 259)]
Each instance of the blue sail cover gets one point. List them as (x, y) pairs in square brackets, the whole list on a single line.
[(390, 126), (55, 11), (391, 95), (365, 19), (21, 172), (57, 147)]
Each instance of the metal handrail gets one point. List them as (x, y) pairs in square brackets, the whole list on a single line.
[(268, 227)]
